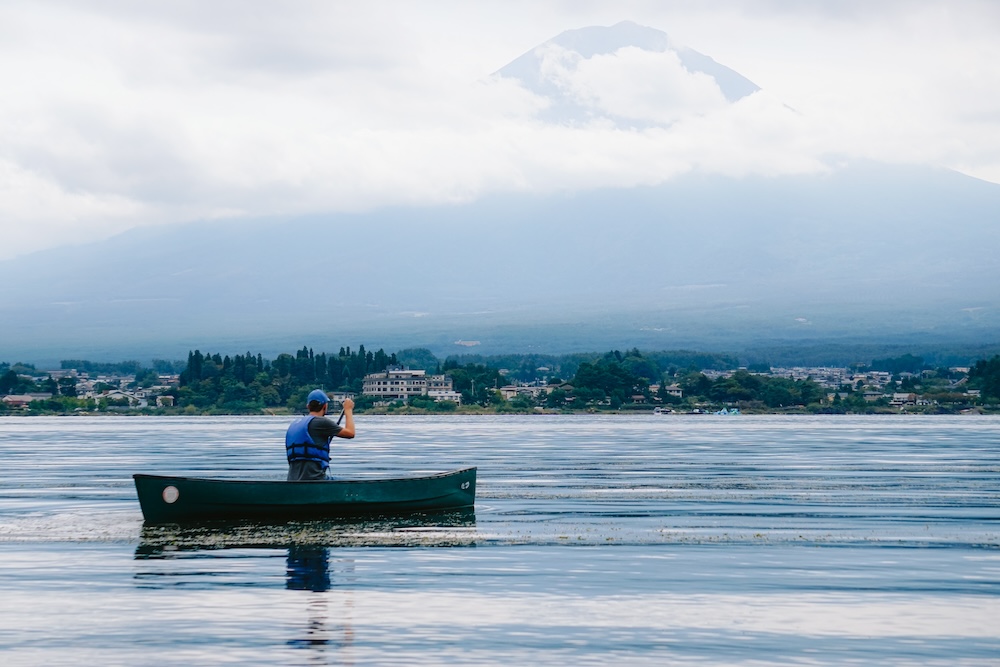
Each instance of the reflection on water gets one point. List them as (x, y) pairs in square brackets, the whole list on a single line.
[(308, 569), (190, 556), (453, 528), (329, 624)]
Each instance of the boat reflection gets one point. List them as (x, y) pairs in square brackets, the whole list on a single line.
[(319, 565), (440, 529)]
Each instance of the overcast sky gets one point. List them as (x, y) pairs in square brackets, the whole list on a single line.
[(116, 114)]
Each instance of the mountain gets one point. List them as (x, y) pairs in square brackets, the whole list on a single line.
[(869, 252), (581, 73)]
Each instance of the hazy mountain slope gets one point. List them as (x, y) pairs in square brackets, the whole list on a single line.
[(871, 250)]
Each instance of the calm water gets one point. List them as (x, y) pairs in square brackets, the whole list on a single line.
[(595, 540)]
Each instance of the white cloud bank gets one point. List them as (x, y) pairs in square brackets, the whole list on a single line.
[(115, 116), (632, 83)]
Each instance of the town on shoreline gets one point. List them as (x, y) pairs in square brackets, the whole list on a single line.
[(414, 381)]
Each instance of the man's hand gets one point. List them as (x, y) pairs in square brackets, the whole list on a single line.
[(348, 430)]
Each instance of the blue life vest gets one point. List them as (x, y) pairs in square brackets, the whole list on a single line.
[(300, 446)]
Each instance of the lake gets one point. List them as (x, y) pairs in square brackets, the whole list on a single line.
[(625, 540)]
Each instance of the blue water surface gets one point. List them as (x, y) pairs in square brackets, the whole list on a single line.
[(595, 540)]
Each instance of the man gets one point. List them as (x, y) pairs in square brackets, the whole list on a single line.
[(307, 441)]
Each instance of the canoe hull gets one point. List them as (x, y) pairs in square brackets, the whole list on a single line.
[(189, 499)]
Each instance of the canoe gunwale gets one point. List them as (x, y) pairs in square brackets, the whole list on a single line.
[(380, 480)]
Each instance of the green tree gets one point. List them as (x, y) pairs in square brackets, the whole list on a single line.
[(612, 377), (67, 386), (740, 386), (556, 398), (522, 402), (475, 382), (8, 381), (985, 376), (695, 384), (906, 363)]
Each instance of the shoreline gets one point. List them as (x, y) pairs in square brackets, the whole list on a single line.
[(485, 412)]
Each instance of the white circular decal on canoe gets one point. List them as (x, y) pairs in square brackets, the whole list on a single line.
[(465, 485), (171, 494)]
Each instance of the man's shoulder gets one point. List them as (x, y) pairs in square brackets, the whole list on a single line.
[(324, 425), (298, 422)]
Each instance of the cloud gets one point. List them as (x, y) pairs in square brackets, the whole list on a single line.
[(35, 213), (632, 83), (117, 114)]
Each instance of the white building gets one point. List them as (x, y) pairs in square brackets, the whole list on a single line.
[(441, 395), (402, 383)]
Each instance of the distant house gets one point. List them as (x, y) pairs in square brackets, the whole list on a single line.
[(22, 400), (899, 400), (119, 396), (341, 396), (512, 391)]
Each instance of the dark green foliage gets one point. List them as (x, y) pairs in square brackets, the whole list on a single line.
[(985, 376), (476, 383), (8, 381), (623, 380), (59, 404), (742, 386), (67, 386), (428, 403), (615, 377), (524, 367), (103, 368), (165, 367), (695, 384), (650, 365), (906, 363)]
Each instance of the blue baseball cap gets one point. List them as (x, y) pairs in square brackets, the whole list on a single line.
[(317, 395)]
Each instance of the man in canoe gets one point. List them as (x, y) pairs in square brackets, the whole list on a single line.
[(307, 441)]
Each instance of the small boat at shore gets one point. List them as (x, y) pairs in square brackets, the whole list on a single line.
[(166, 499)]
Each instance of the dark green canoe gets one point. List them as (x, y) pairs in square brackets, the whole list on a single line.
[(187, 499)]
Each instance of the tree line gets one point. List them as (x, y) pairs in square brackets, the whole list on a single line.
[(249, 383), (626, 380)]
